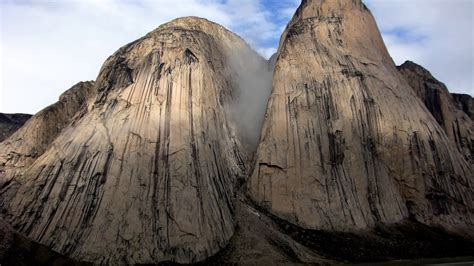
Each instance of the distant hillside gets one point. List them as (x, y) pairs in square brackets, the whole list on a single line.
[(9, 123)]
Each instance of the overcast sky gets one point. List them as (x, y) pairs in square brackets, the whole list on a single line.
[(46, 46)]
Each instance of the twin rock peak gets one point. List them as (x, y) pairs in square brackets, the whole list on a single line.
[(148, 163)]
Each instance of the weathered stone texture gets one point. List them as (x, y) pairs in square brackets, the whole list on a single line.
[(442, 105), (465, 102), (143, 165), (146, 173), (346, 144)]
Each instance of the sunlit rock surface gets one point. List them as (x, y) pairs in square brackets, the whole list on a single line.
[(347, 144), (146, 172), (155, 161)]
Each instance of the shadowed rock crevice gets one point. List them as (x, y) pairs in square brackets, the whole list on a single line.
[(465, 102)]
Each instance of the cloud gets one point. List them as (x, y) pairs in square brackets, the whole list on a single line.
[(438, 34), (253, 77), (266, 52), (47, 46)]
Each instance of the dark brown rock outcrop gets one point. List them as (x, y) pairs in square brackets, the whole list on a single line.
[(346, 144), (442, 105), (9, 123), (464, 102), (16, 249), (264, 239)]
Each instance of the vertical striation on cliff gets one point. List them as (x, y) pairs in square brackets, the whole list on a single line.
[(147, 172), (146, 164), (453, 118), (346, 144)]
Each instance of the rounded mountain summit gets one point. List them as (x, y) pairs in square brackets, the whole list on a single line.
[(146, 170)]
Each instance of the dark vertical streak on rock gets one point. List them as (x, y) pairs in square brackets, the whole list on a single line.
[(166, 172)]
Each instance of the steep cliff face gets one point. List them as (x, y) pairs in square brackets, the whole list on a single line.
[(346, 144), (29, 142), (465, 102), (436, 97), (146, 173), (9, 123), (145, 165)]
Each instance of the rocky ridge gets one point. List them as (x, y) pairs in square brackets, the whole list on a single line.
[(22, 148), (9, 123), (465, 102), (455, 120)]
